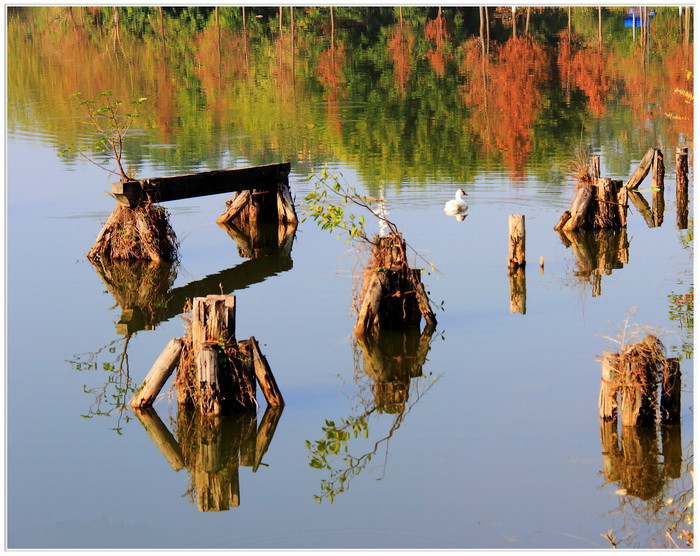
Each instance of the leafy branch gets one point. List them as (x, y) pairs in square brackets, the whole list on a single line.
[(112, 126), (330, 205)]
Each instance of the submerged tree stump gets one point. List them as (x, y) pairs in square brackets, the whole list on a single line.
[(392, 295), (215, 374), (141, 233), (630, 383)]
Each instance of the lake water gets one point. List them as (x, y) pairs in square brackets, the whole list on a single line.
[(498, 443)]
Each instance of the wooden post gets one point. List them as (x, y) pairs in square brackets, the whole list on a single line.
[(210, 402), (266, 379), (516, 241), (670, 406), (621, 202), (225, 384), (594, 171), (609, 386), (606, 214), (682, 188), (642, 170), (638, 384), (158, 375), (213, 320)]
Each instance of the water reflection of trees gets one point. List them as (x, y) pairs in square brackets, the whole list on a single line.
[(388, 379), (268, 87)]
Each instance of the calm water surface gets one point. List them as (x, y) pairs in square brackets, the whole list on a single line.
[(498, 444)]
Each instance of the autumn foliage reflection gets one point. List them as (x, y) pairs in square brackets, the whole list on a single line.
[(507, 99), (436, 33), (400, 47)]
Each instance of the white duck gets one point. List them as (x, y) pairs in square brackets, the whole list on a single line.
[(456, 205)]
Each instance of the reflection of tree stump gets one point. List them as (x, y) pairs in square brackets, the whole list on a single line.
[(211, 448), (140, 288), (672, 451), (141, 233), (263, 239), (597, 253), (639, 469), (393, 358), (392, 295)]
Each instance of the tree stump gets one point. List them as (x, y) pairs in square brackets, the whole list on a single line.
[(392, 295), (141, 233)]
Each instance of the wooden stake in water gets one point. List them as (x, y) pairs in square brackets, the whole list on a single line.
[(516, 241)]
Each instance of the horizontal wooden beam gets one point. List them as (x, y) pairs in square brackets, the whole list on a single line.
[(186, 186)]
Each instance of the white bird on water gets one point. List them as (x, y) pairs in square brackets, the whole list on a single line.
[(456, 205)]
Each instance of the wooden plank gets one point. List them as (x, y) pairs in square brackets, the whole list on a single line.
[(186, 186)]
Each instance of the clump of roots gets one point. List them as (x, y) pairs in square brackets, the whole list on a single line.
[(141, 233)]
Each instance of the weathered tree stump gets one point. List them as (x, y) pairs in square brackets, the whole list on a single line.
[(630, 383), (269, 204), (141, 233), (392, 295)]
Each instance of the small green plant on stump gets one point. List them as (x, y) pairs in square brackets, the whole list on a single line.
[(141, 233), (392, 294), (112, 125)]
